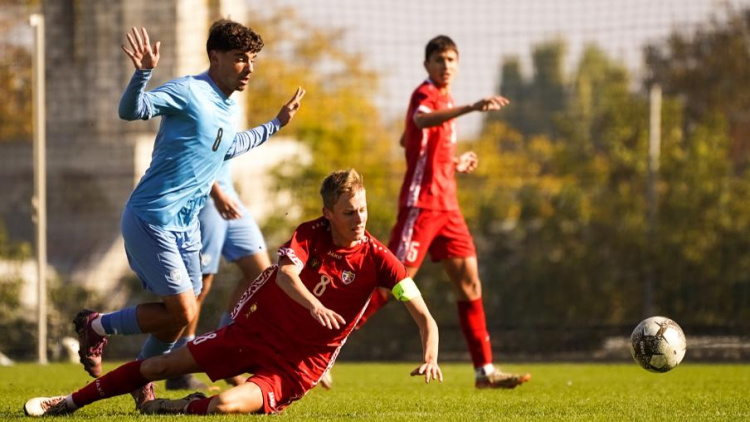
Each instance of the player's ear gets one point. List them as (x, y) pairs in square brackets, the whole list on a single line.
[(326, 213)]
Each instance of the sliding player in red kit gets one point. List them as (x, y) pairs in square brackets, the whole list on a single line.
[(289, 325)]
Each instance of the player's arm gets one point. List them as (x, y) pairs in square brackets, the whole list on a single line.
[(246, 140), (288, 279), (437, 117), (227, 207), (133, 105), (408, 293)]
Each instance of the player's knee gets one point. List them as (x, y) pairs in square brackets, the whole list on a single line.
[(470, 288), (184, 315)]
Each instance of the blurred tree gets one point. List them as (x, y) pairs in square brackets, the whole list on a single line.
[(709, 71), (538, 102), (338, 125), (15, 72)]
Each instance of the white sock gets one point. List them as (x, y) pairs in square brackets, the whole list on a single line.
[(485, 370), (70, 403), (96, 324)]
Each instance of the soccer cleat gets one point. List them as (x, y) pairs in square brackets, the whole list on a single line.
[(170, 407), (143, 395), (43, 406), (327, 380), (91, 343), (499, 379), (185, 382)]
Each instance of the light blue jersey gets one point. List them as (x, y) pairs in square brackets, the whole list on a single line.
[(197, 133)]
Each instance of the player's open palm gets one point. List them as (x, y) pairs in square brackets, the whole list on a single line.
[(430, 370), (290, 109), (327, 317), (142, 54)]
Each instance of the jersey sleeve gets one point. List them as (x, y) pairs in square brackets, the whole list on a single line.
[(137, 103), (422, 102), (246, 140), (297, 249), (391, 271)]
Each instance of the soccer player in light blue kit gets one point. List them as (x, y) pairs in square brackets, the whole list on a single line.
[(160, 221), (228, 230)]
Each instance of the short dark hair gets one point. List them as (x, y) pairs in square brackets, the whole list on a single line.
[(338, 183), (438, 45), (226, 35)]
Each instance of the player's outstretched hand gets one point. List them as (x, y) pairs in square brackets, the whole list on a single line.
[(290, 109), (227, 207), (490, 103), (430, 370), (142, 54), (327, 317), (467, 162)]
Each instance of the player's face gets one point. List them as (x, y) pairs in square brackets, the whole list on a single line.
[(442, 67), (348, 218), (231, 70)]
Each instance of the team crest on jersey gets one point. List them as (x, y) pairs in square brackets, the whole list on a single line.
[(347, 277), (314, 263)]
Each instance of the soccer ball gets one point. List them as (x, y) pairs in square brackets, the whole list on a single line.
[(658, 344)]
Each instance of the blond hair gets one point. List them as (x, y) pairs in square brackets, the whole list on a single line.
[(338, 183)]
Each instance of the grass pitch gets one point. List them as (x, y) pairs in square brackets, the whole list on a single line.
[(385, 392)]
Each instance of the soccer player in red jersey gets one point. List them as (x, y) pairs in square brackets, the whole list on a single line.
[(288, 326), (429, 218)]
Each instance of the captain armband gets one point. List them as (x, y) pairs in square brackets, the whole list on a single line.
[(405, 290)]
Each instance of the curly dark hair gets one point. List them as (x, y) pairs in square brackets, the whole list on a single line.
[(226, 35), (438, 45)]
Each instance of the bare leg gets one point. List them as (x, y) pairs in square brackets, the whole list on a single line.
[(464, 276), (244, 398), (166, 320)]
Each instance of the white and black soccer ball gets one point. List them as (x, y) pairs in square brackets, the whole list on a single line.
[(658, 344)]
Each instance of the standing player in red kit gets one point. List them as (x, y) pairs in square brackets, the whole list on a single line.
[(429, 218), (289, 325)]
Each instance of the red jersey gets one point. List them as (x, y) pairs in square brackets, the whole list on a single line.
[(429, 181), (341, 278)]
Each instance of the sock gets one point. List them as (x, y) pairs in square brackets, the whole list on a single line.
[(377, 301), (97, 326), (226, 319), (474, 327), (484, 370), (122, 380), (154, 347), (199, 407), (182, 341), (69, 403), (124, 321)]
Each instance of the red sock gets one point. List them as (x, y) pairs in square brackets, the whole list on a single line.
[(199, 407), (122, 380), (474, 326), (377, 301)]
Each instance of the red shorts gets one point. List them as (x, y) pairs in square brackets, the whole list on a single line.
[(232, 351), (443, 233)]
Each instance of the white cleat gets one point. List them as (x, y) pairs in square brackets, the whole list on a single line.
[(43, 406)]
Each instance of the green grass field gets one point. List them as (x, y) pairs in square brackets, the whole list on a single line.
[(385, 392)]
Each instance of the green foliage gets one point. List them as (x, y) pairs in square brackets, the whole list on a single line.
[(338, 125), (566, 211)]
